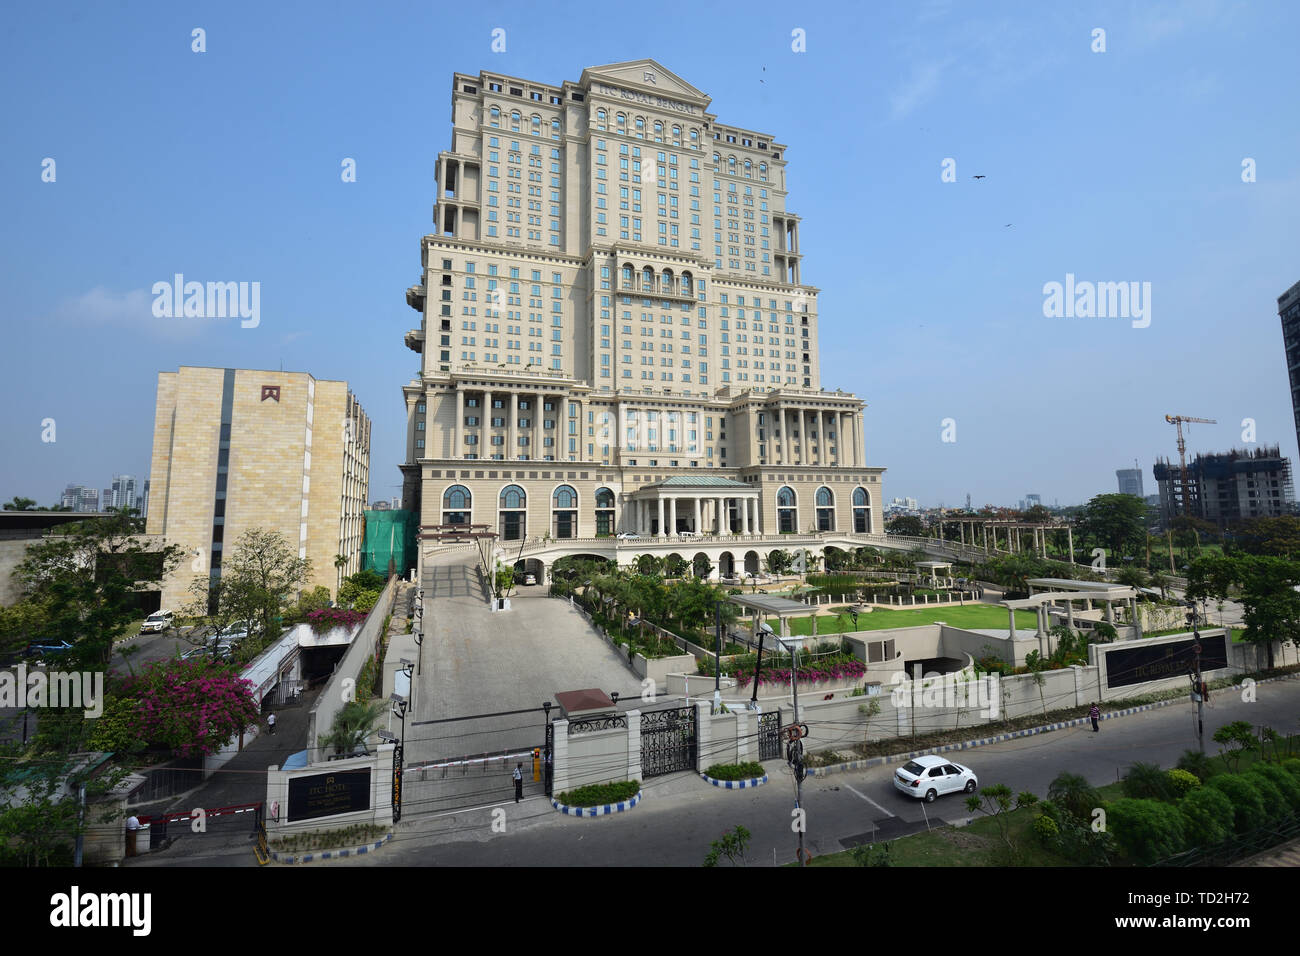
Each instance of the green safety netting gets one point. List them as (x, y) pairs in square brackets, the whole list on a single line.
[(389, 534)]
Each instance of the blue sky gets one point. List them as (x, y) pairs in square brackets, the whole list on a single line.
[(1117, 166)]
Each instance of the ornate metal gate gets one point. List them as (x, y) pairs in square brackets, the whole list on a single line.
[(769, 736), (668, 741)]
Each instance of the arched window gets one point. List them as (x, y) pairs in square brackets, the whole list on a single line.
[(749, 170), (564, 509), (495, 116), (514, 120), (604, 512), (627, 275), (677, 136), (622, 121), (667, 281), (717, 163), (647, 279), (825, 509), (787, 511), (731, 165), (456, 505), (861, 511), (555, 129), (659, 132), (640, 123), (687, 288), (512, 507), (695, 138), (762, 171)]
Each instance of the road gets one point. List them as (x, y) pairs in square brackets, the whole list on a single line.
[(680, 815)]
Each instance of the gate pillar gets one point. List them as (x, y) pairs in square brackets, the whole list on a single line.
[(560, 782), (634, 745)]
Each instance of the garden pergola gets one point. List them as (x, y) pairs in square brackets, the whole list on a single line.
[(769, 605)]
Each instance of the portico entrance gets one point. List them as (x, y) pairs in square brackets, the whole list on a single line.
[(686, 505)]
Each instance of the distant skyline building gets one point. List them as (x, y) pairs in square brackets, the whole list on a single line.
[(1288, 310), (1130, 481), (80, 498), (122, 492)]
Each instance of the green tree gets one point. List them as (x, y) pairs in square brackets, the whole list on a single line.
[(20, 504), (1276, 537), (997, 802), (701, 566), (1268, 593), (1146, 781), (83, 583), (1073, 794), (1208, 814), (1115, 521), (258, 579), (650, 565), (1235, 741), (905, 525), (674, 566), (732, 846)]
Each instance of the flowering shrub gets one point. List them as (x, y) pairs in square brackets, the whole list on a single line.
[(838, 667), (328, 618), (190, 707)]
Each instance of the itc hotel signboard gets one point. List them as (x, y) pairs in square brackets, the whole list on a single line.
[(1157, 661), (329, 794)]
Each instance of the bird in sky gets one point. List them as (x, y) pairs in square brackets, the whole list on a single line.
[(1007, 226), (979, 177)]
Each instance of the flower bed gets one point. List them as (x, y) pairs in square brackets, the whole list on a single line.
[(734, 771), (598, 794), (328, 618), (837, 667)]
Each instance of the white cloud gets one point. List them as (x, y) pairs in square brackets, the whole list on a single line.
[(101, 307), (919, 87)]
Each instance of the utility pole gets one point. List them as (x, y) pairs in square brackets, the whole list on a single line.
[(1198, 688), (794, 750)]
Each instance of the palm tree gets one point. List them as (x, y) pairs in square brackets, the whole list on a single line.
[(339, 563), (352, 726)]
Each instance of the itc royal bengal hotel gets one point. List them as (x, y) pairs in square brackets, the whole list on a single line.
[(616, 334)]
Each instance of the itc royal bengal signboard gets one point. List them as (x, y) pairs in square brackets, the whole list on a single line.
[(329, 794), (1158, 661)]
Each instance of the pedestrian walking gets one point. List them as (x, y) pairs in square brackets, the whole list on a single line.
[(270, 723), (1095, 716), (519, 782)]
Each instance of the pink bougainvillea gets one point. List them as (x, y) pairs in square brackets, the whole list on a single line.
[(328, 618), (191, 707), (837, 670)]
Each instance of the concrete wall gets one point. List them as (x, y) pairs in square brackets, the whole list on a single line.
[(332, 697)]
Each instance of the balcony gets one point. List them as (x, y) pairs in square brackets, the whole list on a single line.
[(415, 297), (415, 340), (660, 288)]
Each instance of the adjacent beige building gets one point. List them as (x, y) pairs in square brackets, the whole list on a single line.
[(613, 314), (236, 449)]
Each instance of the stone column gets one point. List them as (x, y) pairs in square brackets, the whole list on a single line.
[(458, 441), (719, 515), (744, 515), (1011, 617), (1069, 614), (1136, 617), (1110, 612), (1042, 631), (513, 421), (485, 427), (785, 437), (699, 527), (672, 515), (661, 516), (803, 436), (1069, 534)]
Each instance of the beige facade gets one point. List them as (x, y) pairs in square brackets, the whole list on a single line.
[(238, 449), (612, 296)]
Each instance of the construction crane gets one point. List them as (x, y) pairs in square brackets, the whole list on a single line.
[(1177, 421)]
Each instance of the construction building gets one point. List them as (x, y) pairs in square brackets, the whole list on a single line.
[(1227, 488)]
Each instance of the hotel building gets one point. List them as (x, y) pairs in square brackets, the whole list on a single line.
[(615, 330)]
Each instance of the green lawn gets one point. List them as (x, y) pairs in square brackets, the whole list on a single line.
[(970, 616)]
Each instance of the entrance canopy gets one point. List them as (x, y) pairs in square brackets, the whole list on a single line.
[(696, 505)]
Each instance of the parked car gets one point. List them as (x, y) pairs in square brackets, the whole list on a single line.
[(627, 536), (932, 776), (220, 651), (39, 651), (688, 534), (530, 579), (158, 622)]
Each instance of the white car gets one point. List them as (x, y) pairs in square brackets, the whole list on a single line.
[(157, 622), (530, 579), (627, 536), (932, 776), (688, 534)]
